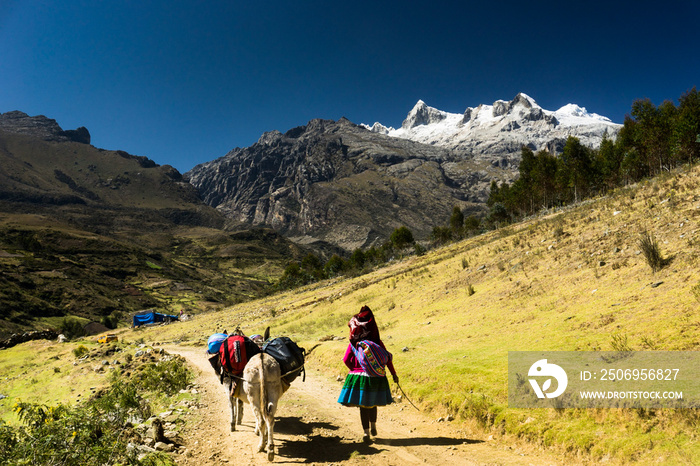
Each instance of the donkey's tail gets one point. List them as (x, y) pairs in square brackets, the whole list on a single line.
[(263, 391)]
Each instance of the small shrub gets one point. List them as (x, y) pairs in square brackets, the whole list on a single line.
[(441, 235), (619, 342), (470, 289), (401, 237), (169, 376), (465, 263), (80, 351), (696, 292), (334, 266), (652, 253), (419, 249), (87, 433), (110, 321), (158, 458)]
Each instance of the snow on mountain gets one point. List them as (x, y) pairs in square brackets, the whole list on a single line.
[(572, 114), (497, 132)]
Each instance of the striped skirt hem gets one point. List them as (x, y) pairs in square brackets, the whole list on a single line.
[(359, 389)]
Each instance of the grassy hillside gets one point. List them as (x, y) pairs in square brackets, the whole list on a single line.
[(85, 403), (91, 233), (94, 189), (48, 271), (569, 280)]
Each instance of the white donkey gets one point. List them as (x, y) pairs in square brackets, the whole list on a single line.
[(262, 385)]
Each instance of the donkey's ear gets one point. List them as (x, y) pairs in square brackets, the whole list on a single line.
[(267, 334), (225, 332)]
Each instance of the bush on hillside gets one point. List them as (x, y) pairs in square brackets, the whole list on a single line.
[(72, 328), (89, 433), (169, 376), (96, 431), (401, 237), (441, 235), (80, 351), (652, 252), (334, 266), (110, 321)]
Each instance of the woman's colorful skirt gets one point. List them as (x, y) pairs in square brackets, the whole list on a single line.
[(359, 389)]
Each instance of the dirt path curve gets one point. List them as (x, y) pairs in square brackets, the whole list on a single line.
[(312, 428)]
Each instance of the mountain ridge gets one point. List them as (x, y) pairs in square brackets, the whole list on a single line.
[(40, 126), (336, 182), (499, 130), (351, 185)]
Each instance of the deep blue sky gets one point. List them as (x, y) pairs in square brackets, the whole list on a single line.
[(184, 82)]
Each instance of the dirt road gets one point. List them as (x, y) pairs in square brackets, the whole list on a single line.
[(312, 428)]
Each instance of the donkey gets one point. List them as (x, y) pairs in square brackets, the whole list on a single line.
[(236, 397), (262, 385), (234, 393)]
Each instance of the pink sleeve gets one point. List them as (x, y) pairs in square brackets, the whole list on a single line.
[(349, 358)]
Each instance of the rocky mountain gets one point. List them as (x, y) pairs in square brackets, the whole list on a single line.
[(39, 126), (337, 182), (92, 233), (351, 185), (46, 170), (497, 132)]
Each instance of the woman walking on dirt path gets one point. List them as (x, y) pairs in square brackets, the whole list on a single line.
[(360, 388)]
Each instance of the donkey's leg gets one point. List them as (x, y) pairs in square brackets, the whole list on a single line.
[(274, 391), (231, 404), (240, 411), (235, 409), (263, 433), (259, 420), (270, 441)]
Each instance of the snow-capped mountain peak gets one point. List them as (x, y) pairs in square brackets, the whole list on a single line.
[(501, 129), (421, 114), (378, 128), (573, 110)]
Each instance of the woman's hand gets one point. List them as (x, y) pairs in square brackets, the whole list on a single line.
[(396, 379)]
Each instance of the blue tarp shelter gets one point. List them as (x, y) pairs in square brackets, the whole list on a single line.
[(151, 317)]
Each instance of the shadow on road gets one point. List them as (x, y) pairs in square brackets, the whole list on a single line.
[(428, 441), (293, 425), (320, 448)]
